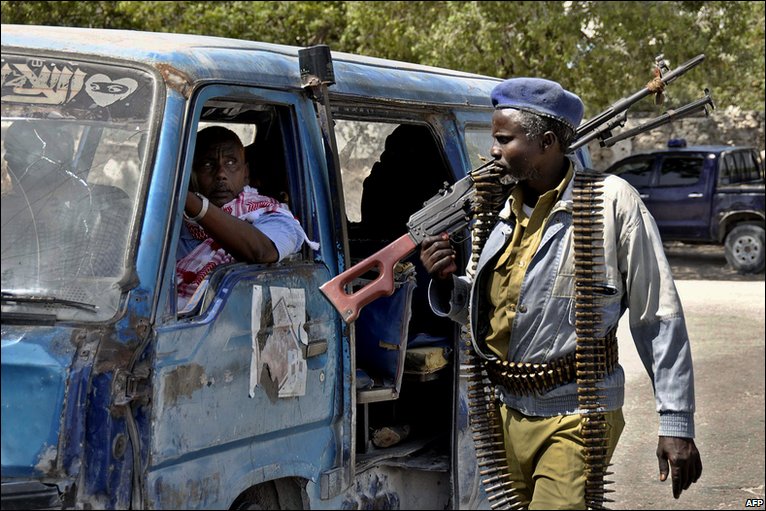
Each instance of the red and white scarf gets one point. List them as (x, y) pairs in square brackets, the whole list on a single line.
[(192, 269)]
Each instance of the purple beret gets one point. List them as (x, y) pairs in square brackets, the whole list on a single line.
[(541, 97)]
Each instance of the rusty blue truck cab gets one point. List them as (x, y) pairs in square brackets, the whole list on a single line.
[(259, 394)]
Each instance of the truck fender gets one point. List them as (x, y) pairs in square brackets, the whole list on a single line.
[(728, 220)]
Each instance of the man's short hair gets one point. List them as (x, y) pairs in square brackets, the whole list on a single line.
[(215, 135), (535, 126)]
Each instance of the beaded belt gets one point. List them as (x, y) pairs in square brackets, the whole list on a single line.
[(523, 378)]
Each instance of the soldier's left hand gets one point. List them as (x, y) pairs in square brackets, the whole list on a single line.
[(685, 462)]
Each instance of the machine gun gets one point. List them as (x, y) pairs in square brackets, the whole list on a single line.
[(450, 210)]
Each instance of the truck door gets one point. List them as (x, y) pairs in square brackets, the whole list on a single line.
[(476, 132), (248, 382), (680, 201)]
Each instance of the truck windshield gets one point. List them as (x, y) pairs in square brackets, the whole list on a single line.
[(73, 155)]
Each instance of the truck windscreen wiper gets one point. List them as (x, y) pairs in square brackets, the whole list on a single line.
[(8, 297)]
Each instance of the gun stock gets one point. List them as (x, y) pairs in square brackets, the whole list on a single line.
[(385, 259)]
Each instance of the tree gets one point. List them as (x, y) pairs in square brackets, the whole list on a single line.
[(602, 50)]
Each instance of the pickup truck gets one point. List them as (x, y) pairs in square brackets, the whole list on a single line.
[(704, 194)]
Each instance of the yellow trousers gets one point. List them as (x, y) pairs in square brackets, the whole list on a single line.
[(545, 457)]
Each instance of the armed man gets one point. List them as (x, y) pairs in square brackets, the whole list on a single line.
[(570, 252)]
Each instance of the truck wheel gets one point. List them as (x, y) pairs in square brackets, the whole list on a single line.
[(744, 248), (263, 496)]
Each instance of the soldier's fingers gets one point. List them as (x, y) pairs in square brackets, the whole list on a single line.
[(663, 467), (442, 264), (430, 240), (697, 469), (676, 477), (434, 245)]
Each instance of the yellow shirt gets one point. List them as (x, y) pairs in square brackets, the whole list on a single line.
[(505, 283)]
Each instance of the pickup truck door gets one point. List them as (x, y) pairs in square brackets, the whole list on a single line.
[(680, 200)]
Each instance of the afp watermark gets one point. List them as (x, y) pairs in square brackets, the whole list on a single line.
[(754, 503)]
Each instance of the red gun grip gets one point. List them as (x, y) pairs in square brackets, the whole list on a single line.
[(385, 259)]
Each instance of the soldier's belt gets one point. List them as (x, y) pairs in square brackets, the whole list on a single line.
[(524, 378)]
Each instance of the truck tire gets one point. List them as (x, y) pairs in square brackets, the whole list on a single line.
[(744, 248), (263, 496)]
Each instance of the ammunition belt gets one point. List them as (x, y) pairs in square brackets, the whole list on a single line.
[(500, 486), (524, 378), (590, 352)]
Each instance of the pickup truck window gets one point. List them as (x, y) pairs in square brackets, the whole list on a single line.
[(637, 172), (681, 171), (739, 167)]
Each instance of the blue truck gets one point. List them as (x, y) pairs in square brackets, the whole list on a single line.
[(704, 194), (259, 396)]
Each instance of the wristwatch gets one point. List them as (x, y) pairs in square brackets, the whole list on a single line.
[(202, 212)]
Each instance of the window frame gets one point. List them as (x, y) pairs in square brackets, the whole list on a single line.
[(302, 205)]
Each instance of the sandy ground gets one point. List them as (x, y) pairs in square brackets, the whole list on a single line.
[(725, 320)]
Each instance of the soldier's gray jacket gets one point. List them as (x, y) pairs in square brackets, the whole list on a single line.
[(638, 279)]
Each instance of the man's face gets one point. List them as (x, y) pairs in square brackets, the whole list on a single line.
[(511, 149), (221, 171)]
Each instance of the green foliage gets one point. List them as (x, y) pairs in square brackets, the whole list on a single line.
[(602, 50)]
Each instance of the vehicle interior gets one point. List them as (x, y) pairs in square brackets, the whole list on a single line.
[(404, 352)]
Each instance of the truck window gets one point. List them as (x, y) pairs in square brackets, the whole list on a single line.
[(389, 171), (726, 169), (749, 166), (260, 129), (478, 141), (636, 172), (680, 170)]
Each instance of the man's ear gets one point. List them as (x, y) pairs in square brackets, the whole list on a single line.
[(548, 140), (247, 174)]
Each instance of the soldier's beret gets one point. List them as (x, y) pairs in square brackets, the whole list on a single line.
[(539, 96)]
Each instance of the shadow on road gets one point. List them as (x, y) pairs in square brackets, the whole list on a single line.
[(703, 262)]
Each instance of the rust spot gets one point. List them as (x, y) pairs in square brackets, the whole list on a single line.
[(182, 381), (46, 462), (112, 355), (175, 79)]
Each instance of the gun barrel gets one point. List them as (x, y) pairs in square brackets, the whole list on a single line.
[(625, 103), (665, 118), (619, 120)]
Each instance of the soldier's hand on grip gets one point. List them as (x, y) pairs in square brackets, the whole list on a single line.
[(438, 256)]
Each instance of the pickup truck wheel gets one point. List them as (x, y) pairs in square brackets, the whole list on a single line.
[(744, 248)]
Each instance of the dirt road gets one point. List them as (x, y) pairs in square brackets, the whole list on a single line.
[(725, 319)]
